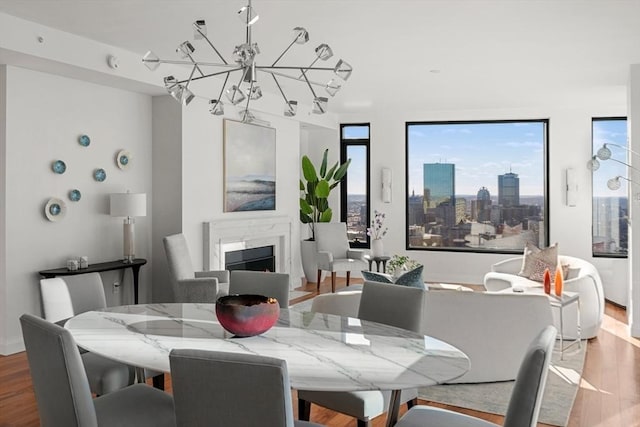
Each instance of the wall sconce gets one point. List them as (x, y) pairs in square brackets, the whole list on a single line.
[(386, 185), (128, 205), (572, 187)]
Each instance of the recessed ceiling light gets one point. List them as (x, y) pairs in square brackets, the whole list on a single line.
[(434, 71)]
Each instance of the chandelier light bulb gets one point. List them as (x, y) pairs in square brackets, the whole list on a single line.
[(216, 107), (301, 35), (199, 29), (291, 109), (151, 61), (247, 15), (324, 52), (604, 153), (614, 183), (185, 49), (593, 164)]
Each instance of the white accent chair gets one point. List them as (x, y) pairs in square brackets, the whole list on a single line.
[(399, 306), (189, 285), (265, 283), (214, 388), (586, 283), (334, 253), (525, 401), (62, 389)]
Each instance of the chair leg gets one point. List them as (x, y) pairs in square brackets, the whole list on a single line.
[(411, 403), (304, 410), (348, 277), (158, 381), (319, 277), (333, 281), (363, 423)]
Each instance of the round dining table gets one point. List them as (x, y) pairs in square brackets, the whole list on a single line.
[(322, 351)]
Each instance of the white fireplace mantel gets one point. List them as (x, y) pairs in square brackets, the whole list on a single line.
[(221, 236)]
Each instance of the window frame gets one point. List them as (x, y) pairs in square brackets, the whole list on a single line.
[(344, 144), (605, 254), (546, 214)]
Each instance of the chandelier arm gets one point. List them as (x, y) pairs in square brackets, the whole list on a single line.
[(246, 107), (195, 63), (285, 51), (193, 71), (310, 66), (266, 70), (308, 83), (224, 85), (204, 36), (625, 164), (621, 146), (200, 63), (213, 74), (280, 89), (264, 67)]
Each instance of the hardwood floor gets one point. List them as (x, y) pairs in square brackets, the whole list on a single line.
[(609, 394)]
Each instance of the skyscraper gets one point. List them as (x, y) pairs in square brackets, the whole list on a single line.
[(508, 189), (439, 184)]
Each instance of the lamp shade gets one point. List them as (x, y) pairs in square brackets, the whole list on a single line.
[(128, 204)]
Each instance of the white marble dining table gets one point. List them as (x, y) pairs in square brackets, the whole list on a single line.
[(322, 351)]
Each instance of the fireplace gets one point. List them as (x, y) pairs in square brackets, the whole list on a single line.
[(228, 235), (254, 259)]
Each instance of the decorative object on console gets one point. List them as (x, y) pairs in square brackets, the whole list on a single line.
[(55, 209), (123, 159), (84, 140), (99, 175), (249, 167), (244, 56), (247, 315), (546, 281), (128, 205), (400, 264), (75, 195), (558, 282), (59, 167)]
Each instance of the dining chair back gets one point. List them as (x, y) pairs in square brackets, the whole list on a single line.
[(393, 305), (65, 297), (190, 286), (526, 397), (62, 389), (265, 283), (230, 389)]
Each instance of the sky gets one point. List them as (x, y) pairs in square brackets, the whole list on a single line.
[(615, 132), (480, 152)]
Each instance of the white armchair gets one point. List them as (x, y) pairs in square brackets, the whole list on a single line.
[(189, 285), (583, 279), (334, 253)]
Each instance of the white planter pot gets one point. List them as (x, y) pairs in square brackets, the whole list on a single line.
[(309, 265)]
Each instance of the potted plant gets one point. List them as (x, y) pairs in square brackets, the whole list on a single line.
[(315, 187)]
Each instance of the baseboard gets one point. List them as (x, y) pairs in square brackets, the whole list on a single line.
[(13, 347)]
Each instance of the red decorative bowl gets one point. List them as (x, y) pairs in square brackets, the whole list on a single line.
[(247, 315)]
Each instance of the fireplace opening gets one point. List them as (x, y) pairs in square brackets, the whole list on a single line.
[(255, 259)]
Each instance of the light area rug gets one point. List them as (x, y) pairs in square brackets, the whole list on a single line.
[(559, 394)]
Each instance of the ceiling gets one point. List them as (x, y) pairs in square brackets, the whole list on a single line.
[(406, 54)]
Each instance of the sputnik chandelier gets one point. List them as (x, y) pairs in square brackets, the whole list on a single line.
[(241, 91), (604, 153)]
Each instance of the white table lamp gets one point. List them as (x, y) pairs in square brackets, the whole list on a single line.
[(128, 205)]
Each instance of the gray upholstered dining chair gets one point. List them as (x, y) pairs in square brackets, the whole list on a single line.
[(189, 285), (223, 389), (526, 397), (334, 253), (265, 283), (62, 390), (64, 297), (394, 305)]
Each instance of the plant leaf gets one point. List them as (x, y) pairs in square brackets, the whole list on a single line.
[(305, 207), (322, 189), (326, 215), (308, 171), (331, 172), (323, 166), (342, 170), (305, 219)]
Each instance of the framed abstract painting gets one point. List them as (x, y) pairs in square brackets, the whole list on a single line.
[(249, 167)]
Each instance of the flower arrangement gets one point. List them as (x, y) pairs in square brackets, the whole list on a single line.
[(376, 231), (399, 264)]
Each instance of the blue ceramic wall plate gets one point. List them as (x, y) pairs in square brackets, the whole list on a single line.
[(55, 209), (99, 175), (74, 195), (84, 140), (59, 166), (123, 159)]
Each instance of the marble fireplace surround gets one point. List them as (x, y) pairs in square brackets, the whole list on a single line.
[(221, 236)]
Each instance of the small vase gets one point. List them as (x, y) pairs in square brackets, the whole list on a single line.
[(377, 248)]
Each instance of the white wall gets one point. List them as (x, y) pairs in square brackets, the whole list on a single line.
[(45, 114), (570, 146), (4, 330)]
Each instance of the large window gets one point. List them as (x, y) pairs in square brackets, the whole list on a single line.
[(610, 201), (477, 186), (354, 145)]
